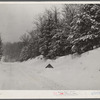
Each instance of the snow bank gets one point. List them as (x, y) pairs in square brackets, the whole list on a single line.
[(73, 72), (70, 72)]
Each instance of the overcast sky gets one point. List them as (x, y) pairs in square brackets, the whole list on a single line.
[(17, 19)]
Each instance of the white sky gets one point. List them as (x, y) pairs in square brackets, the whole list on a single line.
[(16, 19)]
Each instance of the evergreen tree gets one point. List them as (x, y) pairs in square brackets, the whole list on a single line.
[(24, 55), (75, 30), (61, 46), (85, 31), (48, 31)]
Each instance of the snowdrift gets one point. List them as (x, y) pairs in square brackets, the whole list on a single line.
[(73, 72)]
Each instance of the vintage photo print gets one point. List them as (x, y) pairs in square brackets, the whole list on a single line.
[(49, 49)]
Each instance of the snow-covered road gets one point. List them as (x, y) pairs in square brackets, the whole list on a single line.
[(17, 77)]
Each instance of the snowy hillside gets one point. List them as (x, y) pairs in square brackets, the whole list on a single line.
[(72, 72), (69, 73)]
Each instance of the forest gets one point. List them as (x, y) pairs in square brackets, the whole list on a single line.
[(73, 29)]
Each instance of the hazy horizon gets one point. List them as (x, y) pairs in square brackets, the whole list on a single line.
[(17, 19)]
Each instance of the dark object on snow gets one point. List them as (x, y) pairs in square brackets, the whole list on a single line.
[(49, 66)]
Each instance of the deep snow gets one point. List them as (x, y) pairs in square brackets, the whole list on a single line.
[(69, 73)]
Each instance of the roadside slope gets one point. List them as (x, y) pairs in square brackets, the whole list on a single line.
[(72, 72), (69, 73)]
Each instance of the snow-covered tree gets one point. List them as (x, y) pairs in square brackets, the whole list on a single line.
[(75, 29), (48, 30), (60, 45), (85, 31)]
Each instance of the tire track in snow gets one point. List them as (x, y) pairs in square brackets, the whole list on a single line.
[(42, 81), (17, 77)]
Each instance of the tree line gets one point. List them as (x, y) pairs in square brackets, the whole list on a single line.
[(73, 29)]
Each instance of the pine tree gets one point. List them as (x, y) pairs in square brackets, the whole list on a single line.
[(24, 55), (85, 31), (60, 45), (48, 31)]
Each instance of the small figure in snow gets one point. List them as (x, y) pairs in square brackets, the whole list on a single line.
[(49, 66)]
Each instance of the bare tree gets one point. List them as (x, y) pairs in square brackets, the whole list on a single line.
[(25, 38)]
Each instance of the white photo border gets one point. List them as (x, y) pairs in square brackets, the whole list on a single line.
[(49, 94)]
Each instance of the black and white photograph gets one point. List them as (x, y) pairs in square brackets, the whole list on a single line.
[(49, 46)]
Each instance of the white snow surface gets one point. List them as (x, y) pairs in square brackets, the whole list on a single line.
[(69, 73)]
